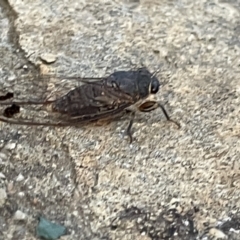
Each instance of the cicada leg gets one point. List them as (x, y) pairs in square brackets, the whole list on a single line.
[(152, 105), (129, 127), (167, 116)]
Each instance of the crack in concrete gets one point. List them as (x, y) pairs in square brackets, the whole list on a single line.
[(13, 35)]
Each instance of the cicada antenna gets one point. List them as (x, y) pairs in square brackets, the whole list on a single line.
[(155, 73)]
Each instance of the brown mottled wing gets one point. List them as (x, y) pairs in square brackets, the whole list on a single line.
[(81, 104), (92, 101)]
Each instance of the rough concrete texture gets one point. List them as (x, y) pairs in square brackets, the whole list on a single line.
[(177, 184)]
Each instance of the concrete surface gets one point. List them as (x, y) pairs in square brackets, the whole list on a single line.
[(90, 179)]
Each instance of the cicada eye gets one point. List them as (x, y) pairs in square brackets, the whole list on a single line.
[(154, 86)]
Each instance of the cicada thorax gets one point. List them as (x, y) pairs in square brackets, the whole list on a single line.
[(135, 84)]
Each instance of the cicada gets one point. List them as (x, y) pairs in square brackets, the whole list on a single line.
[(97, 99)]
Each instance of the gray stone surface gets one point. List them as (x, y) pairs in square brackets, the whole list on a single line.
[(84, 177)]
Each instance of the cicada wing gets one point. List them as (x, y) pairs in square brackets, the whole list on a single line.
[(92, 99), (41, 88), (38, 111), (35, 95), (63, 121)]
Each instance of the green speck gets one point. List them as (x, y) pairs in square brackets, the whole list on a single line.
[(49, 230)]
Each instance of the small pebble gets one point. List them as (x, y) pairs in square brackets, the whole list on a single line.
[(20, 177), (2, 176), (19, 216), (218, 234), (3, 196), (75, 213), (10, 187), (48, 57), (10, 146), (21, 194), (3, 156)]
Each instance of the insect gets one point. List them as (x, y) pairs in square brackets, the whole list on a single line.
[(97, 99)]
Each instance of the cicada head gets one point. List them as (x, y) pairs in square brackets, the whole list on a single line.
[(147, 83), (137, 84)]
